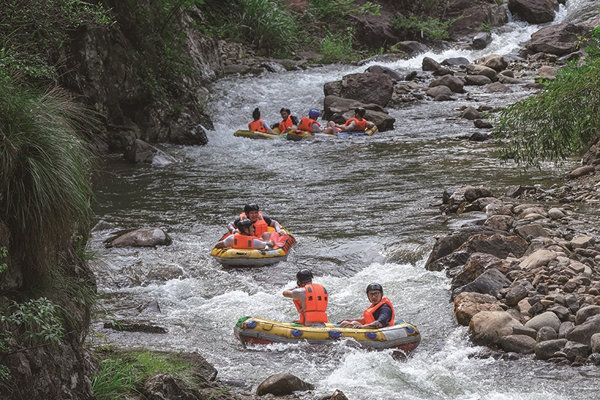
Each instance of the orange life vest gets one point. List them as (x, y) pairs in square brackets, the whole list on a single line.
[(243, 241), (315, 302), (257, 125), (260, 226), (287, 123), (306, 124), (361, 124), (368, 313)]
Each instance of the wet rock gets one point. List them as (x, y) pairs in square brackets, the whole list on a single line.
[(584, 332), (546, 333), (545, 319), (482, 124), (575, 351), (559, 39), (522, 344), (282, 384), (586, 312), (489, 282), (143, 237), (467, 304), (546, 350), (487, 327), (533, 11)]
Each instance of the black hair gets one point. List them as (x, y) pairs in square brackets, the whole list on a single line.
[(256, 114)]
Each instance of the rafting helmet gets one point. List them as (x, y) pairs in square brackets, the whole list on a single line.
[(313, 114), (374, 286), (303, 277), (244, 225), (360, 111), (250, 207)]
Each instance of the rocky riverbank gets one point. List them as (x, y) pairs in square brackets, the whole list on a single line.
[(525, 269)]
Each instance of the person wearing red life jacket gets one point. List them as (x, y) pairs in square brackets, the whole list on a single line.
[(258, 124), (244, 238), (378, 315), (310, 299), (310, 123), (288, 121), (261, 222), (356, 124)]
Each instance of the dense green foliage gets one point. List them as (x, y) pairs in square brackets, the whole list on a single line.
[(159, 44), (44, 173), (265, 24), (33, 32), (338, 46), (559, 121), (122, 374), (417, 28)]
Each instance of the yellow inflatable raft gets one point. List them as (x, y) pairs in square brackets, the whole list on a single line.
[(258, 135), (256, 257), (401, 335)]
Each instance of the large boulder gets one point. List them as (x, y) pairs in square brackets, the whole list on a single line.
[(533, 11), (469, 15), (340, 109), (142, 237), (368, 88), (467, 304), (488, 327), (560, 39), (282, 384)]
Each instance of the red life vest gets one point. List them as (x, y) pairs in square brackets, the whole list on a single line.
[(315, 302), (257, 126), (260, 226), (361, 124), (243, 241), (306, 124), (287, 123), (368, 313)]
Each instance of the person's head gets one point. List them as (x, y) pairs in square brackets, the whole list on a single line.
[(303, 277), (245, 227), (313, 114), (251, 211), (256, 114), (285, 112), (360, 112), (374, 292)]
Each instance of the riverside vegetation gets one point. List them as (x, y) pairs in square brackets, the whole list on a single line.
[(51, 123)]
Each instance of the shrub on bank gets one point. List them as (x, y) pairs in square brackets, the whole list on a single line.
[(562, 119)]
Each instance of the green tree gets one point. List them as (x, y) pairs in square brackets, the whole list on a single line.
[(562, 119)]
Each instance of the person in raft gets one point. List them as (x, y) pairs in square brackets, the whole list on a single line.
[(356, 124), (379, 314), (310, 123), (259, 125), (288, 121), (261, 222), (244, 238), (309, 298)]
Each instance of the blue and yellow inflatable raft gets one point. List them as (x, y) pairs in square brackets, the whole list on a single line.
[(252, 330)]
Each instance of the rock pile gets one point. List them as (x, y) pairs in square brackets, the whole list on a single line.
[(526, 275)]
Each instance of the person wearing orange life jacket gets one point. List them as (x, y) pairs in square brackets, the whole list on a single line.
[(378, 315), (288, 121), (310, 299), (244, 238), (310, 124), (258, 124), (356, 124), (261, 222)]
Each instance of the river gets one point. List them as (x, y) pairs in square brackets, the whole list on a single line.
[(363, 209)]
